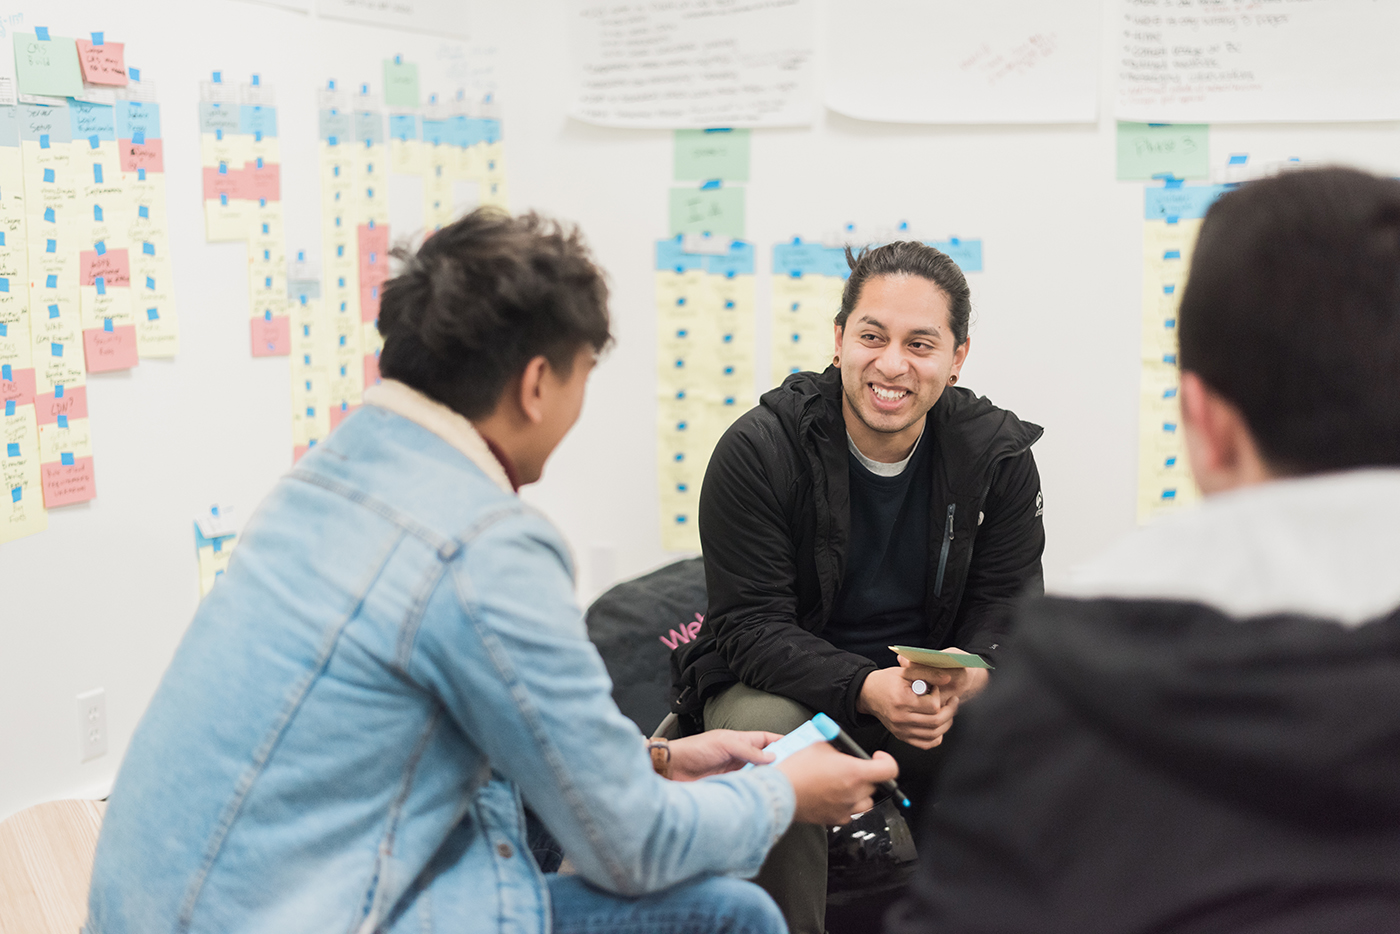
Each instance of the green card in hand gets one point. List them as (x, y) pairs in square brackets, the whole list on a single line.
[(939, 659)]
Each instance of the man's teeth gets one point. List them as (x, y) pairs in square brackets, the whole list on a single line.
[(890, 395)]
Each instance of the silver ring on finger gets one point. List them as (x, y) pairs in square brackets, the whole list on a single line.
[(919, 687)]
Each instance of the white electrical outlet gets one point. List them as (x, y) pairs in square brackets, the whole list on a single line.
[(92, 724)]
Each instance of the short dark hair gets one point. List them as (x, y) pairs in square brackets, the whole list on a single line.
[(1292, 313), (484, 296), (909, 258)]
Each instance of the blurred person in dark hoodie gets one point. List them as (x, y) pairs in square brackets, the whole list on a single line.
[(1200, 732)]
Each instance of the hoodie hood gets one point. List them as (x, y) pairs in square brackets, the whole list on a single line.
[(1249, 648)]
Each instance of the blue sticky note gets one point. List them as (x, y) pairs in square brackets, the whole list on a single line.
[(150, 282), (41, 33), (100, 246), (107, 325), (149, 249), (152, 314), (53, 311), (143, 211), (101, 284), (48, 175), (51, 282), (9, 406), (63, 421), (12, 450), (57, 351), (44, 141), (49, 215), (66, 459)]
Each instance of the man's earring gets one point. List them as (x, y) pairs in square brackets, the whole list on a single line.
[(836, 360), (953, 380)]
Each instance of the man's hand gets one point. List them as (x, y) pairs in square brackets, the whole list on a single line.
[(718, 751), (962, 683), (831, 786), (920, 721)]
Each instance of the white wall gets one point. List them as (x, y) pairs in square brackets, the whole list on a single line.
[(101, 598)]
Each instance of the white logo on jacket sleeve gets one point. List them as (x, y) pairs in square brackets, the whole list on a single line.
[(1039, 503)]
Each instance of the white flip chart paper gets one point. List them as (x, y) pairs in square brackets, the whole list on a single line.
[(678, 64), (1240, 61), (940, 61)]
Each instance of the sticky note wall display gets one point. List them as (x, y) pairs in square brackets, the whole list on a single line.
[(85, 279), (705, 368), (241, 164), (344, 348), (1173, 216), (807, 283)]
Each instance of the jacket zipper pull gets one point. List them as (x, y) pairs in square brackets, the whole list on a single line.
[(943, 555)]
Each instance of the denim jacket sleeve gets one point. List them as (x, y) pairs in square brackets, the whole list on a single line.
[(503, 645)]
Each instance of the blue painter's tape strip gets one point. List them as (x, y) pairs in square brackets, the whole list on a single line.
[(1239, 159), (101, 284), (41, 33), (97, 38), (149, 249), (9, 406), (134, 74), (66, 459), (44, 141), (51, 282), (711, 185), (1172, 254), (63, 421), (218, 77), (138, 138), (58, 393), (107, 325), (100, 246)]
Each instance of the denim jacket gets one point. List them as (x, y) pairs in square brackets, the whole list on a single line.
[(345, 735)]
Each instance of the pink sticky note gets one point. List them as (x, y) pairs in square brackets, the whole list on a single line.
[(371, 369), (338, 414), (65, 484), (50, 405), (113, 266), (263, 183), (299, 451), (369, 303), (110, 350), (149, 155), (231, 183), (20, 388), (272, 338), (103, 64), (374, 242)]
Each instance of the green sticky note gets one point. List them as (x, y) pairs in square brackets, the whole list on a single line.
[(718, 211), (1148, 149), (47, 66), (705, 154), (400, 84)]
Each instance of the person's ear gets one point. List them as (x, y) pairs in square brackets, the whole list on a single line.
[(532, 389), (840, 333), (1219, 444), (960, 356)]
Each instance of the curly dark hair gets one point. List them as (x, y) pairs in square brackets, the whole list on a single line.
[(484, 296), (909, 258)]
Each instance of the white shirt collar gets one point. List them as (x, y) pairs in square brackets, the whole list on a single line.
[(448, 425)]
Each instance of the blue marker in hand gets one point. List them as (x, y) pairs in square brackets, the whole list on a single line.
[(822, 728)]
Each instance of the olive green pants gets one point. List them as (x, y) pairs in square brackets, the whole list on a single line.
[(795, 871)]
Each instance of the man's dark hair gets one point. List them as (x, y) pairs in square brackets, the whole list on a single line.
[(483, 297), (1292, 313), (909, 258)]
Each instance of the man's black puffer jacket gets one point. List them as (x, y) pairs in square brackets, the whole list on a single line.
[(775, 529)]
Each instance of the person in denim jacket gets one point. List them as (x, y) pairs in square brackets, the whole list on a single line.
[(394, 665)]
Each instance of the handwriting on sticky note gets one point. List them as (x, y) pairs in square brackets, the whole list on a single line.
[(1149, 149), (103, 64), (718, 211), (48, 67), (111, 265), (706, 154), (400, 84)]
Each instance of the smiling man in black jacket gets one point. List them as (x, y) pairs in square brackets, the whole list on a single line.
[(871, 505), (1200, 732)]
